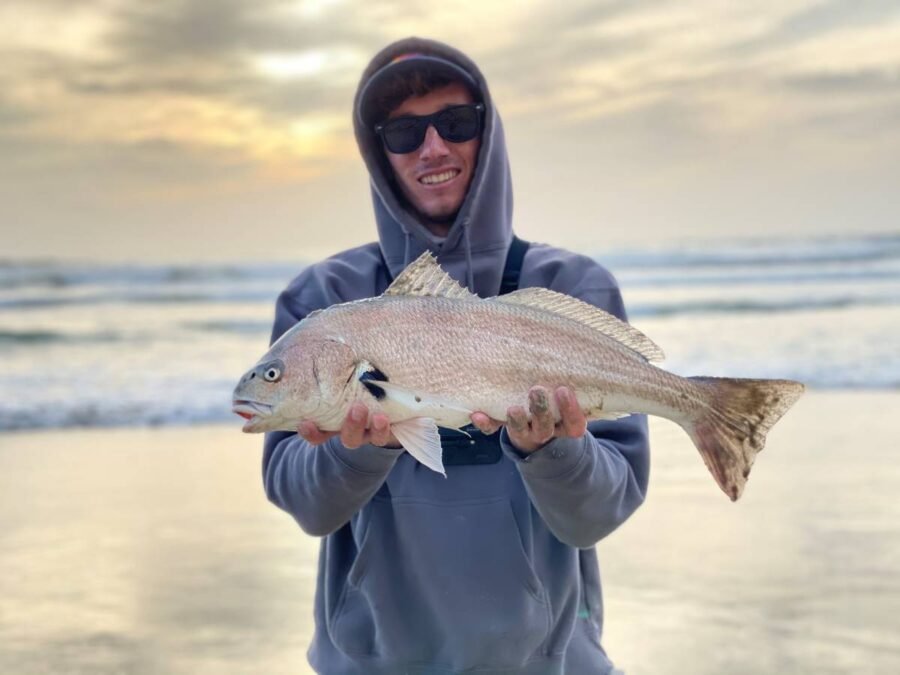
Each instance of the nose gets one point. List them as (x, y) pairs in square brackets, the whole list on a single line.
[(433, 146), (251, 374)]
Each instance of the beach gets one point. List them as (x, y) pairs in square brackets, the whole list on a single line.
[(154, 550)]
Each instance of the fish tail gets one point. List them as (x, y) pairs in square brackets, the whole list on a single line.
[(731, 429)]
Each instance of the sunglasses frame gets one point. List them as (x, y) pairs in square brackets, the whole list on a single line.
[(429, 121)]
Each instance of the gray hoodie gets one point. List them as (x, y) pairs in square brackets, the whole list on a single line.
[(493, 569)]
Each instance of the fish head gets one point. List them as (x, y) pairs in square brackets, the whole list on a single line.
[(294, 381)]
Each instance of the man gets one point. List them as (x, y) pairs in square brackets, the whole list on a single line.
[(493, 569)]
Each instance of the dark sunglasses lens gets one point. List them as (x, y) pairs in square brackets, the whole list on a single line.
[(404, 135), (458, 125)]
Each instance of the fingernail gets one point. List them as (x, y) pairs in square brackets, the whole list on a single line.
[(357, 414), (539, 401)]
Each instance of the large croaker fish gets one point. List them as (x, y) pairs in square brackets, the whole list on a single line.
[(428, 353)]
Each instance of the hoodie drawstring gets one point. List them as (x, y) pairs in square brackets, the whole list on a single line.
[(406, 248), (470, 275)]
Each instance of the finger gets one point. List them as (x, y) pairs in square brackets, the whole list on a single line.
[(543, 425), (519, 430), (517, 421), (380, 430), (484, 423), (312, 434), (353, 431), (572, 420)]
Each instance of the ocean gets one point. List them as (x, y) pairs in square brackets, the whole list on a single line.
[(102, 345)]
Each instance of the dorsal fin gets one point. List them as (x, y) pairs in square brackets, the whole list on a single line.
[(424, 277), (587, 314)]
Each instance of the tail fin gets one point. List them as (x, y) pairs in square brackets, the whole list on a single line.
[(732, 429)]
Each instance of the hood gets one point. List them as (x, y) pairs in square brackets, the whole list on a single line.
[(474, 250)]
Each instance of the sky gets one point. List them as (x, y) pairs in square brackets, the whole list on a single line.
[(221, 130)]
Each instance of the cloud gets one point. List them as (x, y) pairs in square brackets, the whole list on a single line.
[(12, 116), (815, 20), (824, 17), (185, 30), (228, 32), (866, 81), (183, 74), (589, 58)]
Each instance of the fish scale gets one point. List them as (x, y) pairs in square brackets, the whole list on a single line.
[(513, 348)]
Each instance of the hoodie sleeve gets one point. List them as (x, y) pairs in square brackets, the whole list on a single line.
[(584, 488), (320, 486)]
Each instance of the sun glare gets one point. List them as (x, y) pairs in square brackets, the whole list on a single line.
[(339, 66), (314, 8), (290, 66)]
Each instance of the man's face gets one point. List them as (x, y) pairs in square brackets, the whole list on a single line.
[(435, 176)]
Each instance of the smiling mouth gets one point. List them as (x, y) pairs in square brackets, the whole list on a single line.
[(439, 178), (252, 411)]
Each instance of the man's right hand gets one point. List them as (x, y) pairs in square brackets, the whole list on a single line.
[(354, 431)]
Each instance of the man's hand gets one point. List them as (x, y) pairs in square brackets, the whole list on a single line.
[(353, 431), (528, 435)]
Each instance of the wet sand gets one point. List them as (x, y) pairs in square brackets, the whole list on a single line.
[(155, 551)]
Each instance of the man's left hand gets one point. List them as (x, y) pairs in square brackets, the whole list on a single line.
[(532, 430)]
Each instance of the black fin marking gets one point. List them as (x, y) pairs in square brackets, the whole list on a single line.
[(369, 379)]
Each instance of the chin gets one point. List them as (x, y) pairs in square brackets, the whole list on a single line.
[(442, 214)]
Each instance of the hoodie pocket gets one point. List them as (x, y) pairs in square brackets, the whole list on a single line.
[(444, 584)]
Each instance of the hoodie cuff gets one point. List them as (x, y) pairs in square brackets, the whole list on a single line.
[(556, 459), (366, 458)]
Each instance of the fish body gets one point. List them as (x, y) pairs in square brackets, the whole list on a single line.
[(428, 353)]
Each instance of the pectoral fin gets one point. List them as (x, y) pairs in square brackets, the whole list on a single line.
[(420, 437), (422, 404)]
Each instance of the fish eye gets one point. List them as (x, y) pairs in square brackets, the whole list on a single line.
[(272, 374)]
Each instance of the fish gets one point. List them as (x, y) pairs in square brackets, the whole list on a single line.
[(428, 353)]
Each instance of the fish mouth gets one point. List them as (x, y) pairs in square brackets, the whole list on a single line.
[(252, 411)]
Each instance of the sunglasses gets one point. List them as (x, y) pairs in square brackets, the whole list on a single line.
[(457, 124)]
